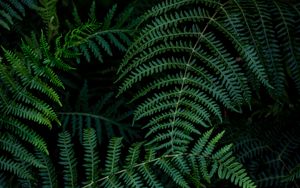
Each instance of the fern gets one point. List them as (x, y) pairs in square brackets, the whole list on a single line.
[(48, 13), (285, 28), (10, 144), (175, 166), (47, 173), (91, 156), (25, 97), (142, 166), (189, 63), (92, 38), (11, 11), (180, 50), (16, 168), (67, 159)]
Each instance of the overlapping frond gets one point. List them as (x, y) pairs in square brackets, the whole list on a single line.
[(10, 144), (13, 10), (141, 166), (181, 51), (48, 13), (28, 94), (94, 39), (189, 62), (203, 157), (19, 169)]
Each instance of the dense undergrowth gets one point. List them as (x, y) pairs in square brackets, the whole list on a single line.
[(175, 93)]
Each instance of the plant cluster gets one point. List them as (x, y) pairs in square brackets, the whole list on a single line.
[(179, 93)]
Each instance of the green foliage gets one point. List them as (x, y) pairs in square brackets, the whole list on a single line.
[(190, 70), (13, 10), (183, 50), (141, 165), (92, 38), (67, 159), (27, 95), (48, 13), (47, 173)]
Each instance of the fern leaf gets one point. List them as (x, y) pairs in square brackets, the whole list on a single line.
[(91, 156), (134, 154), (92, 13), (67, 159), (108, 18), (140, 168), (149, 176), (285, 28), (132, 179), (10, 144), (200, 62), (293, 175), (14, 10), (14, 167), (48, 13), (24, 132), (235, 172), (47, 173), (94, 37), (265, 40), (113, 156)]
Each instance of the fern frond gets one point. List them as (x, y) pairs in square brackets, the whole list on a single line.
[(286, 29), (91, 38), (26, 95), (140, 165), (91, 156), (15, 168), (270, 143), (293, 175), (67, 159), (144, 59), (11, 11), (113, 156), (48, 13), (24, 133), (263, 36), (202, 157), (235, 172), (43, 112), (109, 16), (199, 60), (47, 173), (10, 144)]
